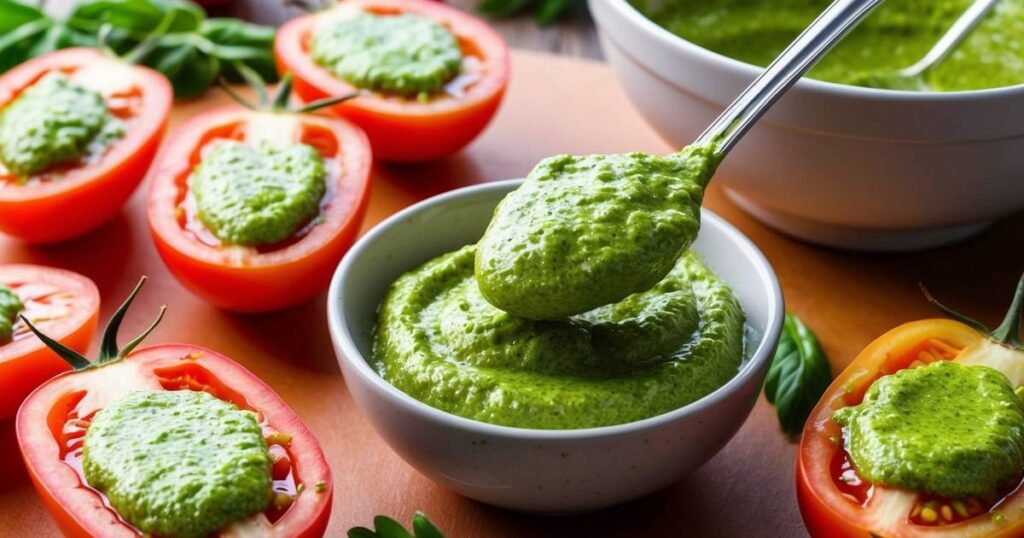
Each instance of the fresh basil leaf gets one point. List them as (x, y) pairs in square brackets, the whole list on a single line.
[(238, 41), (138, 17), (544, 11), (385, 527), (15, 45), (798, 376), (500, 9), (14, 14), (59, 36), (389, 528), (551, 10), (227, 31), (264, 65), (423, 527), (190, 71), (191, 50)]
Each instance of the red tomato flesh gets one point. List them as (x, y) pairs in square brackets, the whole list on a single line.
[(53, 421), (407, 129), (65, 305), (71, 200), (265, 278), (836, 502)]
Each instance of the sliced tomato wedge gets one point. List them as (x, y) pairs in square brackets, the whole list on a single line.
[(70, 200), (65, 305), (407, 129), (836, 502), (250, 279), (52, 423)]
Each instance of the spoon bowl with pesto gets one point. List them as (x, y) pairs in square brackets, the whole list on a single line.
[(583, 232), (583, 458)]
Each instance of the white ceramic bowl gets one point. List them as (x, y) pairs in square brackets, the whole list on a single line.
[(838, 165), (542, 471)]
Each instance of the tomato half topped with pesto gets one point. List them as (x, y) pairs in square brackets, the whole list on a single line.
[(64, 304), (253, 208), (78, 129), (172, 440), (430, 76), (921, 436)]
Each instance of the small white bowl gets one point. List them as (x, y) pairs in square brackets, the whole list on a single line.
[(541, 471), (837, 165)]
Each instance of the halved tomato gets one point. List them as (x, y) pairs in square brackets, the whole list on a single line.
[(837, 503), (65, 305), (70, 200), (407, 129), (53, 421), (259, 279)]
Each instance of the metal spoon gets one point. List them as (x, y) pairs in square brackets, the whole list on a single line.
[(816, 40), (519, 270), (912, 77)]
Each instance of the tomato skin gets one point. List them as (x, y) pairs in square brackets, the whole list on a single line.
[(25, 363), (404, 130), (265, 281), (827, 512), (92, 194), (820, 521), (79, 511)]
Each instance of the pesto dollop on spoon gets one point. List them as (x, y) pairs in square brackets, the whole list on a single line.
[(586, 231)]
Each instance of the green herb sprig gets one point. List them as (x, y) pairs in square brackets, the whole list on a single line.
[(798, 376), (385, 527), (544, 11), (172, 36)]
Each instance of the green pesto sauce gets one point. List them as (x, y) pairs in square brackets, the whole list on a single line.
[(587, 231), (179, 463), (947, 429), (896, 35), (10, 307), (441, 342), (404, 54), (54, 121), (258, 195)]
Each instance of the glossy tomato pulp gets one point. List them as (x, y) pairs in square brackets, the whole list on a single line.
[(407, 129), (62, 304), (836, 502), (259, 279), (70, 200), (53, 421)]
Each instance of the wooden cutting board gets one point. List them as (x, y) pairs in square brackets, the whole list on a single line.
[(555, 105)]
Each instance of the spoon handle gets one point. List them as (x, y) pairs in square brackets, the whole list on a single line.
[(960, 29), (797, 59)]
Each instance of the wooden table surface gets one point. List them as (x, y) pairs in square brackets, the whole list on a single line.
[(745, 491)]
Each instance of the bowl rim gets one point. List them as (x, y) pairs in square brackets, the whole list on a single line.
[(349, 352), (816, 86)]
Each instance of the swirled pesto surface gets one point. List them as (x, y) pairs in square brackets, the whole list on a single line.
[(895, 36), (404, 54), (53, 121), (178, 463), (586, 231), (10, 306), (440, 341), (948, 429), (258, 195)]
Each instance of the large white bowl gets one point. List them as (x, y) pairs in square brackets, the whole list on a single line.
[(544, 471), (838, 165)]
